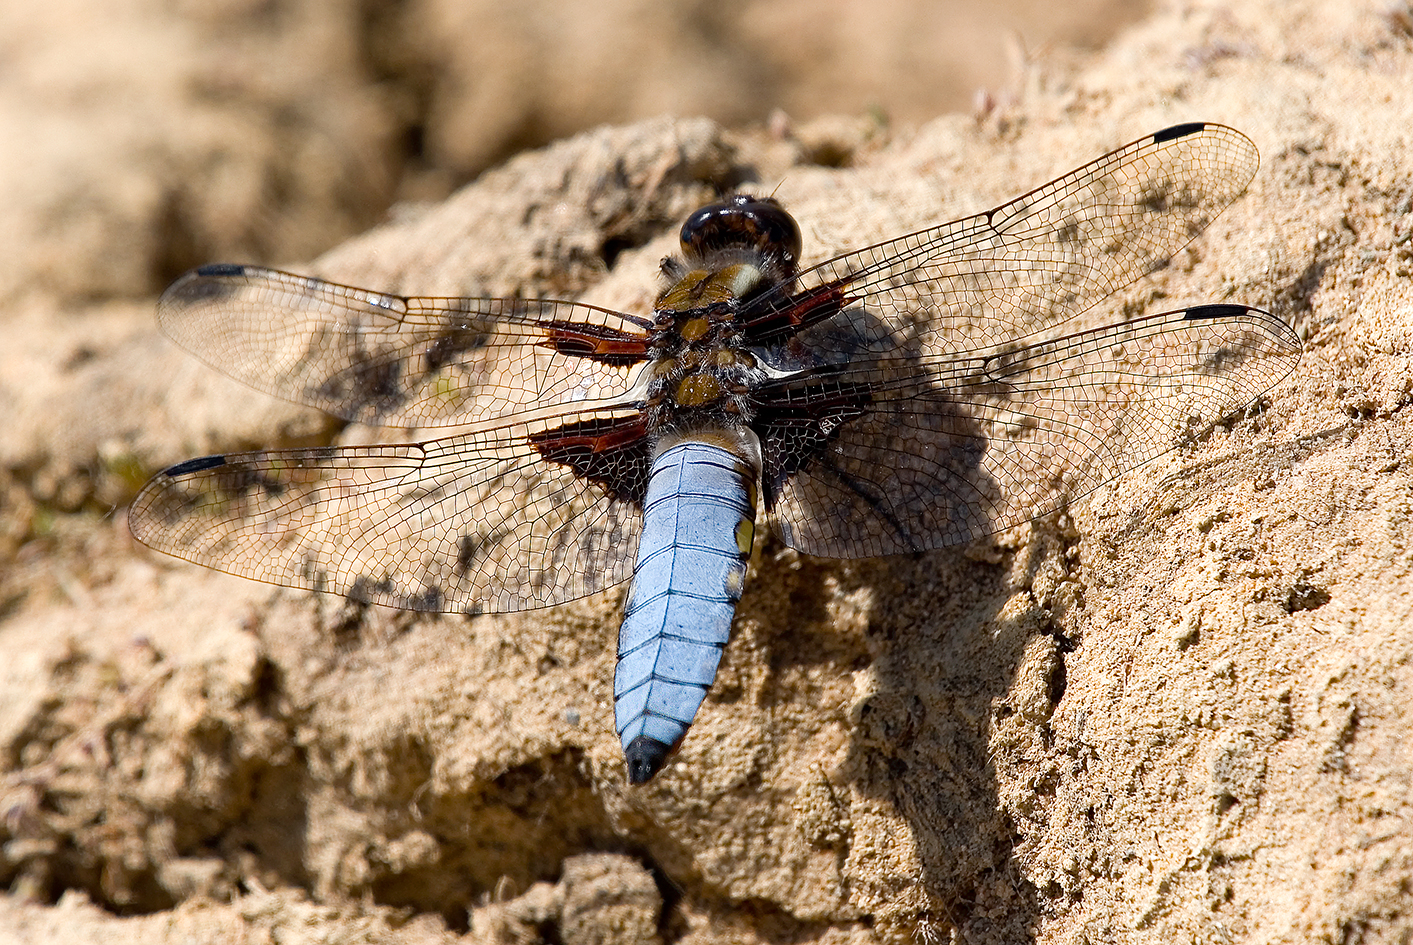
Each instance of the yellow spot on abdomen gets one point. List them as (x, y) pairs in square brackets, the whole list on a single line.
[(745, 536)]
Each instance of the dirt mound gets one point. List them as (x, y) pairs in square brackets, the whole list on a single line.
[(1177, 711)]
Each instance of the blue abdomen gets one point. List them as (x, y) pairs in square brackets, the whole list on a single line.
[(698, 524)]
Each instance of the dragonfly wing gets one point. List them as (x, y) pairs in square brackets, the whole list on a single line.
[(390, 360), (859, 465), (501, 519), (1035, 261)]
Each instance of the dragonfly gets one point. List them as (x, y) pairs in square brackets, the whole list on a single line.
[(914, 394)]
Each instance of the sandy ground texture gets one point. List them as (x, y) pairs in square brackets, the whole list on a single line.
[(1178, 711)]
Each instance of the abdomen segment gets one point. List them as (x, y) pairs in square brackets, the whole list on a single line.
[(698, 524)]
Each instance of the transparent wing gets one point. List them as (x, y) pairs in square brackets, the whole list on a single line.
[(861, 463), (1031, 263), (391, 360), (497, 520)]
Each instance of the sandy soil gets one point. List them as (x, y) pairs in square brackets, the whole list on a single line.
[(1178, 711)]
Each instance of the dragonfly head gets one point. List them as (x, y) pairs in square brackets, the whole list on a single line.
[(743, 228)]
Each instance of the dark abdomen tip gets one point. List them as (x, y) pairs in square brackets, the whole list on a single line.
[(645, 758)]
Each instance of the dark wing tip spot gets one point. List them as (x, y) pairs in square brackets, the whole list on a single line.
[(1215, 310), (202, 284), (645, 758), (197, 465), (220, 269), (1179, 131)]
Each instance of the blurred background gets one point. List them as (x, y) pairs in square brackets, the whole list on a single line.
[(146, 136)]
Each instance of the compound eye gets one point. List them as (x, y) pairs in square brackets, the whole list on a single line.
[(743, 222)]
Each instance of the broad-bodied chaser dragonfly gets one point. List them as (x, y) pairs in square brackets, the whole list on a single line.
[(902, 397)]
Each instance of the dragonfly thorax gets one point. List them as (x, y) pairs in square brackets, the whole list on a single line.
[(702, 369)]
